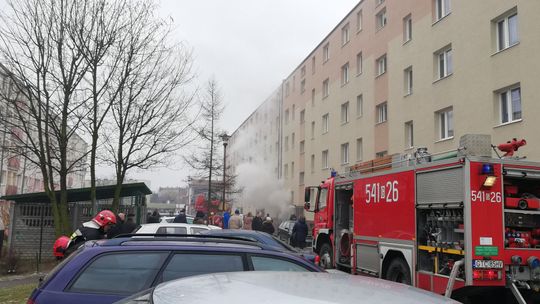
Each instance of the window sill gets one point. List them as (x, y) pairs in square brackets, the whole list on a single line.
[(359, 116), (380, 123), (326, 132), (344, 123), (358, 31), (508, 123), (344, 84), (359, 74), (441, 19), (500, 51), (324, 169), (407, 94), (407, 42), (344, 44), (359, 161), (444, 139), (325, 97), (345, 164), (442, 78), (380, 29), (380, 75)]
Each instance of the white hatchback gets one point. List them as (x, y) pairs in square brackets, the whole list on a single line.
[(173, 228)]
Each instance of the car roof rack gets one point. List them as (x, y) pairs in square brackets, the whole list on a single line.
[(150, 237)]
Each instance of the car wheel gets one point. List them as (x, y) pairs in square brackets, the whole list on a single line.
[(327, 259), (398, 271)]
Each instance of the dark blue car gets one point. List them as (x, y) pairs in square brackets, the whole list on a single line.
[(262, 238), (106, 271)]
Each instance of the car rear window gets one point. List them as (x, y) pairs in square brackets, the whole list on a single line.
[(189, 264), (172, 230), (197, 230), (58, 267), (261, 263), (119, 273)]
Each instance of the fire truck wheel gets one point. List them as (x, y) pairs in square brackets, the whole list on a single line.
[(398, 271), (325, 253)]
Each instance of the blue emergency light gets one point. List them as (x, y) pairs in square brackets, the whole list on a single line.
[(487, 169), (333, 173)]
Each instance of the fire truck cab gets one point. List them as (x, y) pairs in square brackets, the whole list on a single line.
[(458, 221)]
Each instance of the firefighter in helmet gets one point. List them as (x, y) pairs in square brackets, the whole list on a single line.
[(92, 230)]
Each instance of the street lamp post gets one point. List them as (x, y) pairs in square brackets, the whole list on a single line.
[(225, 139)]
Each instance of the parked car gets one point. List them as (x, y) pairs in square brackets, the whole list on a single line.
[(284, 287), (105, 271), (263, 238), (170, 219), (173, 228), (285, 230)]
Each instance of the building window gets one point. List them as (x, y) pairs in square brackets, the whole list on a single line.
[(324, 159), (359, 150), (302, 147), (293, 112), (381, 154), (382, 112), (301, 178), (359, 21), (378, 2), (312, 130), (326, 87), (507, 31), (303, 71), (326, 52), (286, 171), (302, 86), (359, 63), (381, 65), (442, 9), (409, 135), (359, 105), (381, 19), (286, 143), (287, 89), (444, 62), (345, 113), (345, 74), (292, 169), (510, 102), (302, 116), (292, 141), (287, 116), (408, 80), (345, 34), (313, 61), (344, 153), (325, 123), (312, 163), (446, 124), (407, 28)]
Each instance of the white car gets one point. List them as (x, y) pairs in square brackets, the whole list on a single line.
[(284, 287), (173, 228), (170, 219)]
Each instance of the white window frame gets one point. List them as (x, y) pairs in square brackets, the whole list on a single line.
[(359, 149), (446, 124), (359, 105), (345, 112), (293, 139), (302, 117), (381, 65), (303, 71), (312, 97), (382, 112), (312, 130), (409, 134), (344, 153), (506, 101), (313, 64), (345, 74), (326, 87), (302, 86), (504, 39), (293, 111), (286, 143), (345, 36), (325, 123), (302, 146), (359, 21), (286, 116), (445, 63), (326, 52), (442, 9), (324, 159), (381, 19), (408, 80), (407, 28), (286, 171), (359, 63), (301, 178), (312, 163)]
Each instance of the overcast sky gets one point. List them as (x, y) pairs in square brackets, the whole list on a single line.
[(249, 47)]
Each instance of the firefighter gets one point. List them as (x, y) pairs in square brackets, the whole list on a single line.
[(92, 230)]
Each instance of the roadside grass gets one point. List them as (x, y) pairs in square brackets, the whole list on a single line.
[(17, 294)]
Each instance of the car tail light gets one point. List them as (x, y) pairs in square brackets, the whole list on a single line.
[(317, 259), (487, 274), (30, 301)]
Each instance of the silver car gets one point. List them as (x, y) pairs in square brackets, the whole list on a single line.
[(284, 287)]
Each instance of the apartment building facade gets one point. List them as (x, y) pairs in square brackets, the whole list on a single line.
[(395, 75)]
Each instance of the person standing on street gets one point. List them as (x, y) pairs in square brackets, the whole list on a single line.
[(154, 218), (248, 221), (181, 217), (226, 217), (267, 226), (299, 233), (2, 232), (257, 222), (235, 222)]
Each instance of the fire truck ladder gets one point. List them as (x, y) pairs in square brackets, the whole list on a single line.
[(453, 275), (517, 294)]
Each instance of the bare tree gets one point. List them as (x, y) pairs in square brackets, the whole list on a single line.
[(151, 116), (44, 68), (204, 160)]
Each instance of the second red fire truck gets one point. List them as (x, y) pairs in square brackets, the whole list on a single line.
[(459, 221)]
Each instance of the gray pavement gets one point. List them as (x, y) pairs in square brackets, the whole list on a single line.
[(14, 280)]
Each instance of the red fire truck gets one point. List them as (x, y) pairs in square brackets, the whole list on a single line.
[(449, 222)]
